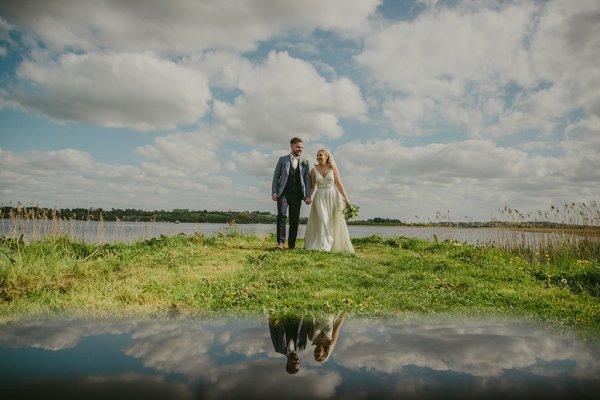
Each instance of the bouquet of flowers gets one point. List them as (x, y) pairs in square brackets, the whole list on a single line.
[(351, 211)]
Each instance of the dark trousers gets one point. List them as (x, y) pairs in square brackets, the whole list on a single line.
[(285, 202)]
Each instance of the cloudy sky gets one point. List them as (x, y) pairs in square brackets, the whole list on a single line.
[(460, 106)]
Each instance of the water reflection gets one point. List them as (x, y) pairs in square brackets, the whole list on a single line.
[(290, 334), (230, 358), (323, 334)]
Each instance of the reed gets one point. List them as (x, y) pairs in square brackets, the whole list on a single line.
[(557, 235), (32, 224), (554, 236)]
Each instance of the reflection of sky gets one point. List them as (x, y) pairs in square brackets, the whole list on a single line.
[(461, 346), (235, 358)]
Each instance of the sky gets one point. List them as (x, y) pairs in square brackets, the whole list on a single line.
[(457, 107)]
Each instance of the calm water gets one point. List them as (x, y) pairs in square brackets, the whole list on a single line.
[(94, 232), (240, 358)]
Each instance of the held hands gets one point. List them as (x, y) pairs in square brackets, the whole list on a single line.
[(306, 200)]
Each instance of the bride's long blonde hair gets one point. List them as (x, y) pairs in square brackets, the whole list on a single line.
[(330, 159)]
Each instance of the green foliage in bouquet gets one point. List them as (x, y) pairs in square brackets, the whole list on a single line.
[(351, 211)]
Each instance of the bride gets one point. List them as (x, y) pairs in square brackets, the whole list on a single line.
[(326, 228)]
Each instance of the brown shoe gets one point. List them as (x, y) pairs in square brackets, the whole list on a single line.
[(280, 246)]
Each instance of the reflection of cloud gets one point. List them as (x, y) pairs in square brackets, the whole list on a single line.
[(481, 350), (125, 386), (57, 334), (408, 359), (173, 347), (267, 379), (252, 342), (188, 349)]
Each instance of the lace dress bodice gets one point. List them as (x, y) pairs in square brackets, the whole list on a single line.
[(325, 182)]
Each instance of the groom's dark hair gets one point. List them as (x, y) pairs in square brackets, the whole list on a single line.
[(296, 140)]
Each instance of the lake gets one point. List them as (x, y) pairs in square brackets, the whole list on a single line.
[(230, 358), (110, 232)]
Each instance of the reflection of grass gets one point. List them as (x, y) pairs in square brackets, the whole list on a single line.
[(243, 274)]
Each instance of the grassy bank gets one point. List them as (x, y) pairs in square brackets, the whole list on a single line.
[(244, 274)]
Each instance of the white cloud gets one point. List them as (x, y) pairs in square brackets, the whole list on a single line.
[(5, 29), (7, 102), (407, 115), (183, 153), (69, 178), (441, 51), (449, 67), (459, 176), (224, 69), (564, 52), (456, 66), (438, 162), (181, 27), (519, 78), (584, 136), (137, 91), (255, 162), (286, 96)]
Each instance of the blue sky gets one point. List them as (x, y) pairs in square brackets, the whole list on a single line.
[(427, 106)]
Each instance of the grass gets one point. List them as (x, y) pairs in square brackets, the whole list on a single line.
[(243, 274)]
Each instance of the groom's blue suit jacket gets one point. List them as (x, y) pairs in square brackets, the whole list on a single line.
[(282, 170)]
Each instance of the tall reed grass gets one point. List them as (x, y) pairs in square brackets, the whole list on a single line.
[(31, 224), (569, 232), (556, 235)]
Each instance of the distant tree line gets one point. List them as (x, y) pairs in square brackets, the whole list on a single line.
[(377, 221), (240, 217), (129, 214)]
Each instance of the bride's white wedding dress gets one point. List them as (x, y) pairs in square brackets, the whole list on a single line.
[(326, 228)]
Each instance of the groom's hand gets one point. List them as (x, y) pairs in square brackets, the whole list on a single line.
[(274, 197), (307, 200)]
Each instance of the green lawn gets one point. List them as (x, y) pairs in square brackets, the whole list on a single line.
[(243, 274)]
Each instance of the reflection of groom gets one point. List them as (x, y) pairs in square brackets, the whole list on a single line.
[(289, 335), (291, 185)]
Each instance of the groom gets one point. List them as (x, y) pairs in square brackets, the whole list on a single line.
[(291, 185)]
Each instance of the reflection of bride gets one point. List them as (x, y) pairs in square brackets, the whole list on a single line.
[(323, 334), (326, 228)]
